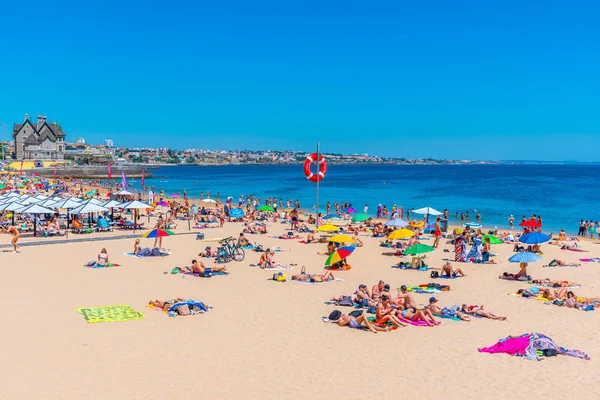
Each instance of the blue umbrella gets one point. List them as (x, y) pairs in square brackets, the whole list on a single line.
[(534, 238), (236, 213), (397, 223), (328, 216), (473, 225), (524, 257)]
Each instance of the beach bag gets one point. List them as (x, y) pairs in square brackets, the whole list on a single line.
[(200, 236), (155, 252), (184, 310), (550, 353), (207, 272), (346, 301), (279, 277), (435, 274)]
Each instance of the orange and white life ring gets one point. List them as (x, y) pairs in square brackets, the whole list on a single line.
[(310, 159)]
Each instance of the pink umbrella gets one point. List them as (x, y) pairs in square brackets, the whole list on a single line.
[(174, 195), (350, 210), (163, 204)]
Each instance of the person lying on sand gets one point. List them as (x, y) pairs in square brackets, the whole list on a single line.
[(199, 268), (165, 304), (559, 263), (208, 252), (448, 312), (323, 277), (451, 272), (554, 283), (480, 312), (289, 235), (581, 303), (412, 314), (310, 238), (360, 322)]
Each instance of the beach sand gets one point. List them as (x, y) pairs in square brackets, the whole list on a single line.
[(265, 339)]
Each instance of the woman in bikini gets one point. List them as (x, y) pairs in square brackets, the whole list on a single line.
[(16, 235), (103, 258), (136, 247), (323, 277), (480, 312), (411, 314), (165, 304)]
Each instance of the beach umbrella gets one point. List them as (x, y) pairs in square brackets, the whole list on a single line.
[(328, 228), (88, 208), (41, 197), (124, 193), (51, 203), (162, 204), (341, 239), (534, 238), (360, 217), (68, 204), (427, 211), (15, 207), (350, 210), (493, 239), (329, 216), (157, 233), (397, 223), (530, 223), (236, 213), (419, 249), (266, 208), (174, 195), (35, 209), (134, 205), (96, 202), (401, 234), (111, 204), (339, 254), (524, 257)]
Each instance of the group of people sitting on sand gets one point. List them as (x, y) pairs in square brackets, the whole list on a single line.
[(400, 310)]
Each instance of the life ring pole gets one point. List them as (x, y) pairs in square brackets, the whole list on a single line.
[(318, 179)]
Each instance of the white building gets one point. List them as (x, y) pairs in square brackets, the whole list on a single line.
[(80, 140), (108, 143), (42, 141)]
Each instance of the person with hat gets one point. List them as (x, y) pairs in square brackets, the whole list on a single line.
[(451, 272), (208, 252), (445, 312)]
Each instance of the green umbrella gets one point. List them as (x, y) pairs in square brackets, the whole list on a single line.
[(90, 193), (493, 239), (2, 186), (266, 208), (360, 217), (419, 249)]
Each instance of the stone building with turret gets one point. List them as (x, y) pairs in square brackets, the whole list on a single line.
[(39, 141)]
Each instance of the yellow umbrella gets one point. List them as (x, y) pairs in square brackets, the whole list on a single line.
[(401, 234), (327, 228), (341, 239)]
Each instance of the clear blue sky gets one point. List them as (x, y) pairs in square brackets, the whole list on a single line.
[(463, 79)]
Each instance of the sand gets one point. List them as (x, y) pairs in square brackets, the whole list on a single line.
[(265, 339)]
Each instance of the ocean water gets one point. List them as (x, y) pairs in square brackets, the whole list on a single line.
[(561, 194)]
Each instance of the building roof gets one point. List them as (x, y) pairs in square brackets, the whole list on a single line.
[(46, 133), (55, 129), (32, 140)]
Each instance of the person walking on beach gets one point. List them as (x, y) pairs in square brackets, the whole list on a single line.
[(16, 234)]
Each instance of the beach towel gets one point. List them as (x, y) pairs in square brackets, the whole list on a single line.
[(531, 346), (411, 269), (344, 268), (118, 313), (416, 323), (213, 273), (577, 250), (317, 283), (590, 260), (95, 265), (162, 254)]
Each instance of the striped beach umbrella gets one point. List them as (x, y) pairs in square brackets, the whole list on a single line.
[(339, 254), (157, 233)]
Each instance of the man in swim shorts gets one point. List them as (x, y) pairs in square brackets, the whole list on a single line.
[(360, 322), (437, 232), (405, 299)]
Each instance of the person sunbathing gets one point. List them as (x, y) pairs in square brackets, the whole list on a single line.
[(412, 314), (386, 312), (405, 298), (357, 240), (480, 312), (136, 247), (200, 268), (323, 277), (360, 296), (289, 235), (451, 272), (554, 283), (310, 238), (417, 262), (559, 263), (102, 258), (562, 236), (208, 252), (243, 240), (165, 305), (360, 322), (330, 249), (447, 312)]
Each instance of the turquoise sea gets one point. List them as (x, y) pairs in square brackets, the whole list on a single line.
[(561, 194)]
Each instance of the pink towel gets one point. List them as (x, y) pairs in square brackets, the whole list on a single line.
[(510, 346)]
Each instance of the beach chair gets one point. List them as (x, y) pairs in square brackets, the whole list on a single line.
[(77, 226), (103, 226)]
